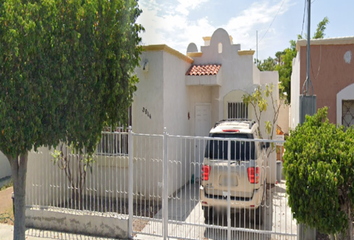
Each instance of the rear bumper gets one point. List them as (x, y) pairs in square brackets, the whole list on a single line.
[(253, 202)]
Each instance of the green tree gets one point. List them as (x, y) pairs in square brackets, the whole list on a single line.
[(66, 70), (259, 101), (278, 57), (267, 64), (285, 68), (318, 166), (321, 27)]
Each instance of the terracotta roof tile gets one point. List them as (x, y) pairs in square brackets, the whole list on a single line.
[(201, 70)]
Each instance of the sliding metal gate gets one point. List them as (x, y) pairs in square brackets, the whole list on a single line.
[(165, 179)]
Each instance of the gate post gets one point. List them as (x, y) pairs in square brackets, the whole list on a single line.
[(165, 187), (229, 189), (130, 181)]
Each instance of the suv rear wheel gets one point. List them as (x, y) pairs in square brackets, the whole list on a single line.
[(208, 214)]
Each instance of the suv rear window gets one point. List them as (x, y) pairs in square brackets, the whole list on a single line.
[(240, 150)]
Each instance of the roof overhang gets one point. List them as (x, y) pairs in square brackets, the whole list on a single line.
[(325, 41), (204, 80), (245, 52), (164, 47)]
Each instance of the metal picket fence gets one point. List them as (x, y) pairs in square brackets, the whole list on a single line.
[(157, 183)]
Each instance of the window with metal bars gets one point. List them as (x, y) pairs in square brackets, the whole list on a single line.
[(237, 110), (347, 113), (115, 141)]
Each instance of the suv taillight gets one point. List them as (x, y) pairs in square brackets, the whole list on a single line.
[(205, 172), (253, 174)]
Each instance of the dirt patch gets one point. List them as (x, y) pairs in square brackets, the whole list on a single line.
[(6, 214), (5, 199), (143, 208), (139, 224)]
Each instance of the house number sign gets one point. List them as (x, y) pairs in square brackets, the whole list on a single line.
[(146, 112)]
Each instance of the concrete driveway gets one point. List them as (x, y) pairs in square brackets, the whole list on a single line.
[(186, 219)]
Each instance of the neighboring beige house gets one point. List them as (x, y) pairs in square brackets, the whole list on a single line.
[(332, 76)]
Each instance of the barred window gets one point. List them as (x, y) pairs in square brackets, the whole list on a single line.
[(237, 110), (115, 141), (347, 113)]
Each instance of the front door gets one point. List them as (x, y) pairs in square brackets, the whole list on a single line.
[(202, 128)]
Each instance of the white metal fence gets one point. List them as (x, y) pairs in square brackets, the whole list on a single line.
[(155, 181)]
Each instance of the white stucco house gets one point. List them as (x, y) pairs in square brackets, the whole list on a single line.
[(189, 93)]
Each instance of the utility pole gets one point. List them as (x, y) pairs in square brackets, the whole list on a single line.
[(257, 48), (307, 107)]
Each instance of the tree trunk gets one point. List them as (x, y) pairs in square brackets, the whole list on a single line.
[(19, 172), (350, 221)]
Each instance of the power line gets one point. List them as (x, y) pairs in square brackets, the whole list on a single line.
[(272, 21), (303, 18)]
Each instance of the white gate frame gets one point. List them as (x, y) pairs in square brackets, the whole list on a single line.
[(164, 233)]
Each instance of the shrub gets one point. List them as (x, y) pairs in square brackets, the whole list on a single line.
[(318, 166)]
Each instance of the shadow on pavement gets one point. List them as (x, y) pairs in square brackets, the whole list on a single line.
[(244, 224)]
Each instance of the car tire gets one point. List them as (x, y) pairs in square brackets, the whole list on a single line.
[(259, 215), (208, 214)]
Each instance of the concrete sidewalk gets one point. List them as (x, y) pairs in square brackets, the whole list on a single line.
[(6, 233)]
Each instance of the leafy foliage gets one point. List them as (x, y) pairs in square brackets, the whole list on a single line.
[(321, 27), (318, 165), (285, 68), (259, 101), (75, 166), (66, 71), (267, 64), (283, 60)]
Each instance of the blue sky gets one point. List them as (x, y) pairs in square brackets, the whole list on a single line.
[(179, 22)]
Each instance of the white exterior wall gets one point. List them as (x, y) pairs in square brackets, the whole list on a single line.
[(175, 118), (5, 168), (237, 71), (149, 94), (295, 93), (256, 75), (175, 95)]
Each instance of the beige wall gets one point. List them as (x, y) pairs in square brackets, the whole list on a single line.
[(330, 72), (283, 119)]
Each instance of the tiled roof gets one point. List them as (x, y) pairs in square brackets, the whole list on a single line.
[(201, 70)]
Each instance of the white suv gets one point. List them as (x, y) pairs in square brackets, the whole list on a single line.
[(248, 163)]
